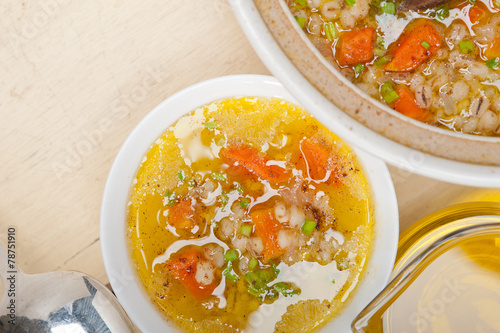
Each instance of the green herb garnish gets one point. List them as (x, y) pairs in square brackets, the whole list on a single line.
[(219, 176), (343, 264), (231, 255), (211, 125), (308, 227), (246, 229), (425, 45), (467, 47), (180, 174), (443, 12), (359, 68), (330, 31), (383, 60), (299, 4), (244, 202), (229, 274), (301, 21), (388, 93), (275, 268), (492, 63), (285, 289), (388, 8), (171, 198), (350, 2), (224, 199), (252, 264)]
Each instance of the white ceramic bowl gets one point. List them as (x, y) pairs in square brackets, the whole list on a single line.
[(355, 132), (116, 254)]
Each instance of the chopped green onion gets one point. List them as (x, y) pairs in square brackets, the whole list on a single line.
[(388, 8), (246, 229), (211, 125), (231, 255), (359, 68), (425, 45), (299, 4), (180, 175), (252, 278), (221, 142), (381, 42), (343, 264), (280, 287), (473, 2), (383, 60), (492, 63), (285, 289), (238, 187), (244, 202), (308, 227), (171, 198), (467, 47), (253, 263), (386, 87), (443, 12), (229, 274), (265, 275), (224, 199), (388, 92), (379, 52), (330, 31), (391, 96), (350, 2), (219, 176), (275, 268), (301, 21)]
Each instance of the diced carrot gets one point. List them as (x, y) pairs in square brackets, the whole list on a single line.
[(475, 14), (356, 47), (417, 43), (319, 160), (267, 228), (407, 105), (184, 269), (493, 50), (255, 162), (181, 214)]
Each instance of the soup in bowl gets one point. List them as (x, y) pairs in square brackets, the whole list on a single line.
[(245, 214), (312, 63)]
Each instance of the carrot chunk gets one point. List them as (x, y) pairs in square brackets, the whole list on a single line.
[(407, 105), (493, 50), (181, 214), (255, 162), (319, 160), (475, 14), (184, 269), (356, 46), (420, 41), (267, 228)]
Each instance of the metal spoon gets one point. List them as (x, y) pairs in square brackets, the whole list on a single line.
[(57, 302)]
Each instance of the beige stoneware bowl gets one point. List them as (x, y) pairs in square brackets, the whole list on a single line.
[(364, 122)]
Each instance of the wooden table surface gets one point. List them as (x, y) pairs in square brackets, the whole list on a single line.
[(76, 77)]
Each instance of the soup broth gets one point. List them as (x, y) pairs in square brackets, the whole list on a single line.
[(248, 215)]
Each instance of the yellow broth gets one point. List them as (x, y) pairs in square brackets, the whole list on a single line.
[(322, 267)]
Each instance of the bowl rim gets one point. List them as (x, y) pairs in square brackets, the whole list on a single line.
[(117, 260), (356, 133)]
